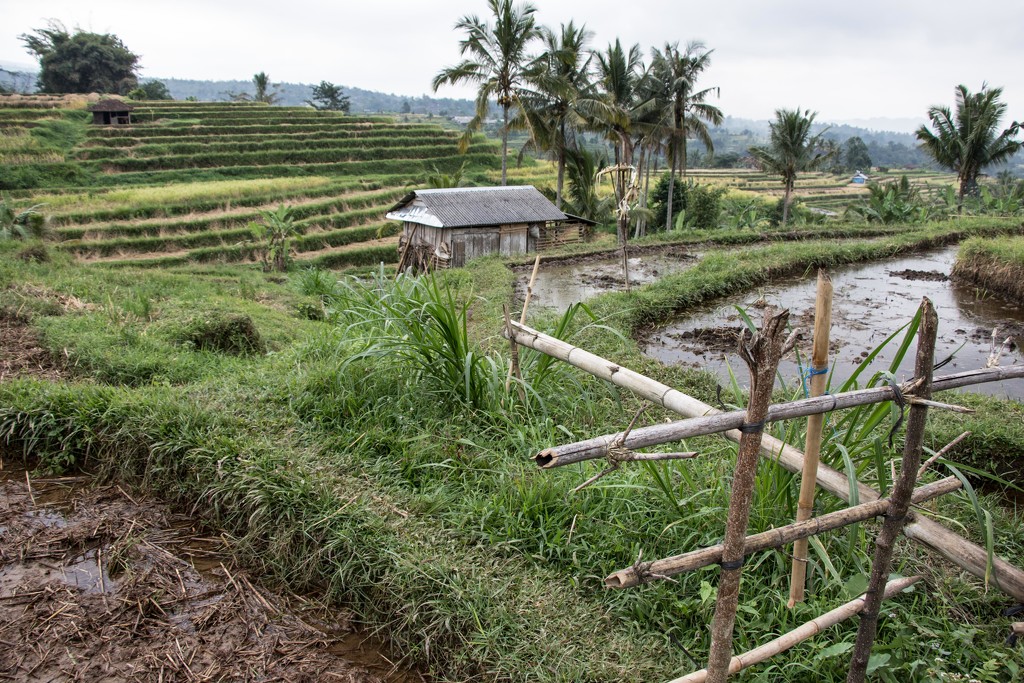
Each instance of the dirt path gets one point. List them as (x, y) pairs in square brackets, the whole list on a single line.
[(96, 585)]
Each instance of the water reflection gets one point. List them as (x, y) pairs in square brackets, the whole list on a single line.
[(870, 302)]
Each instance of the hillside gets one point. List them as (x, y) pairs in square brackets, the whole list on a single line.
[(184, 182)]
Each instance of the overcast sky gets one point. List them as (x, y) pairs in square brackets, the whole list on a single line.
[(850, 60)]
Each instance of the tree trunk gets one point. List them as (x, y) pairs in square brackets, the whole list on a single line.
[(641, 226), (671, 190), (561, 167), (900, 498), (682, 128), (504, 146), (786, 198)]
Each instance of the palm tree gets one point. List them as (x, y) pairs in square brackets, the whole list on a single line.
[(684, 109), (791, 150), (559, 78), (967, 142), (497, 56), (618, 108), (265, 90)]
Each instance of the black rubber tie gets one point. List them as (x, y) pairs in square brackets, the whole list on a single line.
[(732, 566), (752, 427)]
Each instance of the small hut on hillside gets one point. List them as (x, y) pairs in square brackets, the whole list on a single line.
[(111, 112), (445, 228)]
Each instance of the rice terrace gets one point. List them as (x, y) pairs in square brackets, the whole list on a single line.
[(582, 379)]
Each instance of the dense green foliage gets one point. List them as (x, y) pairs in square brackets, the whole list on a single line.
[(791, 150), (151, 90), (698, 206), (329, 97), (81, 62), (494, 59), (969, 140)]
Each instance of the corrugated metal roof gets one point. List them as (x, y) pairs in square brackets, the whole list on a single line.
[(110, 104), (467, 206)]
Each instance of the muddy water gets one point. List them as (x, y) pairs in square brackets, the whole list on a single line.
[(870, 302), (559, 285), (99, 585)]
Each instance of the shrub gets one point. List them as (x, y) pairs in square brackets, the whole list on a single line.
[(695, 205), (229, 333)]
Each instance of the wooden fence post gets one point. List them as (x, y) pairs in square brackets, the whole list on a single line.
[(762, 356), (900, 500)]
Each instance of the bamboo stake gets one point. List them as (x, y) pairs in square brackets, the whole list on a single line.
[(716, 421), (801, 633), (959, 551), (405, 252), (812, 443), (529, 289), (522, 320), (773, 538), (762, 356), (625, 266), (514, 365), (901, 493)]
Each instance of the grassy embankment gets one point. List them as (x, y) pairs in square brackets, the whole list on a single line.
[(995, 264), (346, 460)]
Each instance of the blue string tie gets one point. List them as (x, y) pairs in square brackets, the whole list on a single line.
[(811, 372)]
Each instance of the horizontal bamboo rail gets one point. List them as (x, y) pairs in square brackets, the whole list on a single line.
[(642, 437), (773, 538), (961, 552), (801, 633)]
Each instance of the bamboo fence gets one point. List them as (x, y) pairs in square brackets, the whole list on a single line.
[(762, 354)]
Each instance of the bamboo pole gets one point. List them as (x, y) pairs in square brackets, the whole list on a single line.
[(812, 442), (801, 633), (405, 252), (762, 356), (773, 538), (514, 365), (529, 289), (901, 492), (522, 321), (959, 551), (716, 421)]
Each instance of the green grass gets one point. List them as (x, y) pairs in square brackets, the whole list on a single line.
[(994, 264), (352, 459)]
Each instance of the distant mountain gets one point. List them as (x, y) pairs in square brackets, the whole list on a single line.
[(295, 94), (22, 78), (885, 123)]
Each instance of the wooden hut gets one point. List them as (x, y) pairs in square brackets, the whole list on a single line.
[(447, 227), (111, 112)]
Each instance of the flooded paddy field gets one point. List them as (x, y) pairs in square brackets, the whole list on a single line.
[(100, 585), (870, 302), (564, 282)]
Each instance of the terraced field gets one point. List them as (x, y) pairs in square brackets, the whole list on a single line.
[(817, 190), (183, 183)]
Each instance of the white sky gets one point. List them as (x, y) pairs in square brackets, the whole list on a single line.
[(848, 60)]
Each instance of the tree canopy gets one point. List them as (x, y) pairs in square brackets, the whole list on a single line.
[(791, 150), (969, 140), (856, 155), (329, 97), (81, 62), (495, 59), (151, 90)]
